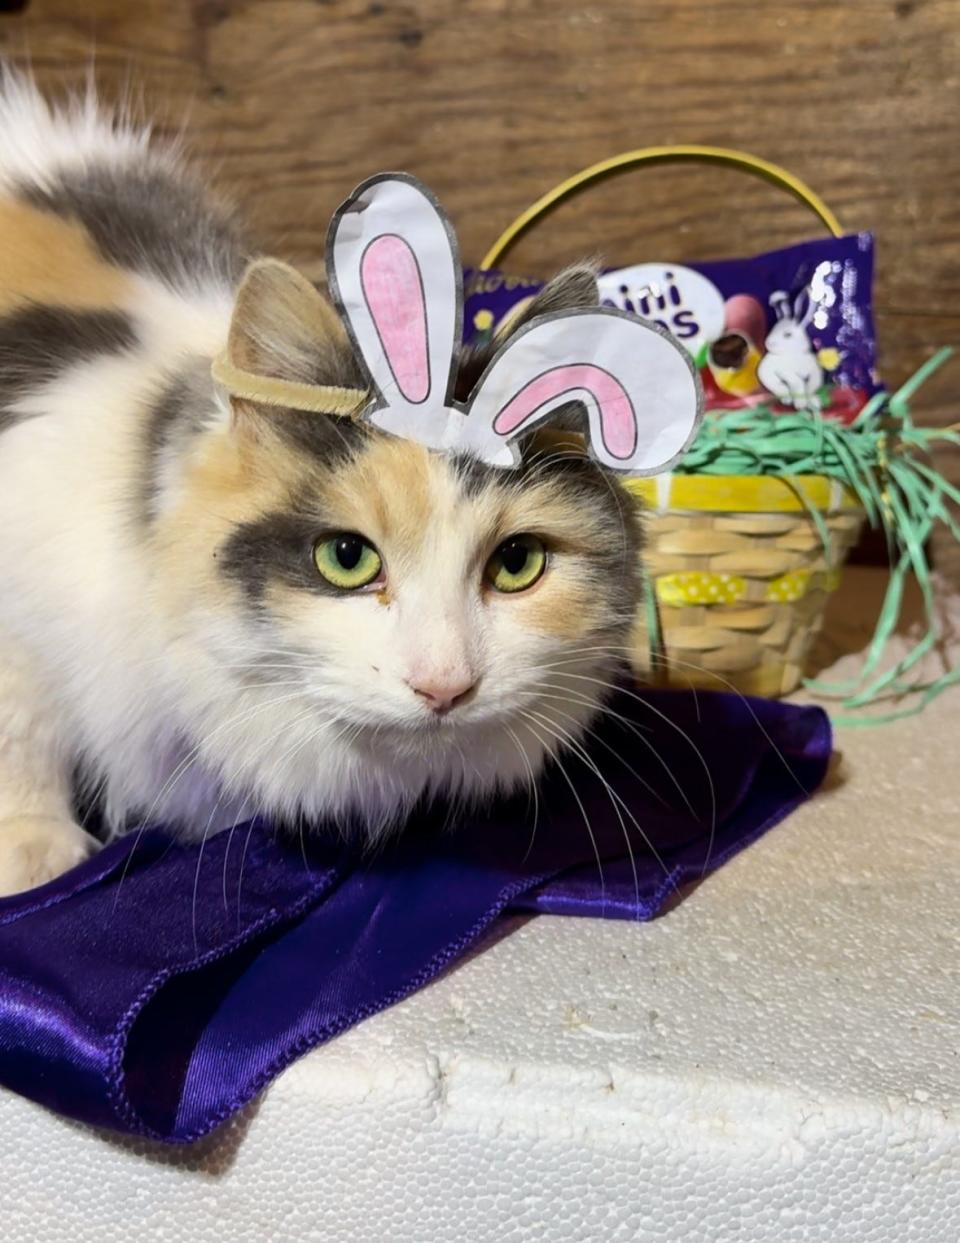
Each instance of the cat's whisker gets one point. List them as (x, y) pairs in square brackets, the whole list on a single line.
[(196, 877), (617, 803), (676, 663), (308, 739), (673, 661), (532, 791), (636, 731), (463, 775), (226, 860), (574, 656), (729, 686), (243, 860), (203, 841), (612, 750), (297, 744), (571, 695), (531, 724), (236, 721), (180, 771), (259, 667), (671, 724)]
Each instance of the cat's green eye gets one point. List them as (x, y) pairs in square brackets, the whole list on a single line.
[(347, 561), (517, 564)]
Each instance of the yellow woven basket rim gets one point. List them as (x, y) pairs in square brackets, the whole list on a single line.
[(745, 493)]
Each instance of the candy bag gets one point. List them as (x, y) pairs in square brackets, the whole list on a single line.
[(790, 329)]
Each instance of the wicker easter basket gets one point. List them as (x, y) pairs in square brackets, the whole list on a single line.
[(739, 571), (740, 576)]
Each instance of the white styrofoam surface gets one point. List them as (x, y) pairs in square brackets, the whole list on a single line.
[(776, 1059)]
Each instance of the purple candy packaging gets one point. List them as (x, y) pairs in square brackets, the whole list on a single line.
[(791, 328)]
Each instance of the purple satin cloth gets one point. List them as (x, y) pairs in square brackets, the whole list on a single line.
[(159, 987)]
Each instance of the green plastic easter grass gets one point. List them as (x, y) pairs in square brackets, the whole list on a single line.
[(886, 460)]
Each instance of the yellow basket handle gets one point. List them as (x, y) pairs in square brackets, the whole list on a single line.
[(751, 164)]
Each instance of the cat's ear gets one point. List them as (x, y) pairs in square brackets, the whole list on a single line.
[(283, 328), (573, 289)]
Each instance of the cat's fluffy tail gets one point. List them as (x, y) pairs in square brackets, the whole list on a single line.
[(38, 140), (142, 208)]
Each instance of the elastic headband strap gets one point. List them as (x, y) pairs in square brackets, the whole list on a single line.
[(269, 391)]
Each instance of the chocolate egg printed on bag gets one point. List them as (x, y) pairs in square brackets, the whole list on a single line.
[(791, 328)]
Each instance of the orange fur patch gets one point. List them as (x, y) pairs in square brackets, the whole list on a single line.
[(564, 608), (232, 479), (390, 494), (48, 260)]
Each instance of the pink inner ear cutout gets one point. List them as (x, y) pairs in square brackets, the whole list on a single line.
[(618, 421), (390, 278)]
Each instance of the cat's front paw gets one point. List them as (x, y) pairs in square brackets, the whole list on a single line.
[(35, 849)]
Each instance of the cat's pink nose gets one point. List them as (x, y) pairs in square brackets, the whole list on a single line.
[(443, 693)]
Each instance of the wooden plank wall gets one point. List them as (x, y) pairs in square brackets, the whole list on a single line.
[(493, 101)]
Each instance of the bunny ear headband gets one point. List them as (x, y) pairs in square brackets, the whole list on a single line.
[(394, 271)]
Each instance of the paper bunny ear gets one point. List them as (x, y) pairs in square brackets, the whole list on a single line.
[(393, 267), (638, 385)]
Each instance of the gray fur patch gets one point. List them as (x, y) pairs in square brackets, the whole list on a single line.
[(328, 439), (149, 218), (40, 342), (277, 547), (180, 410)]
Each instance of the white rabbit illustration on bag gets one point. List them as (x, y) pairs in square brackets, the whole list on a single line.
[(789, 369), (394, 271)]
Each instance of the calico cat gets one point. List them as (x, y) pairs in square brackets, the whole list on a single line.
[(209, 608)]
